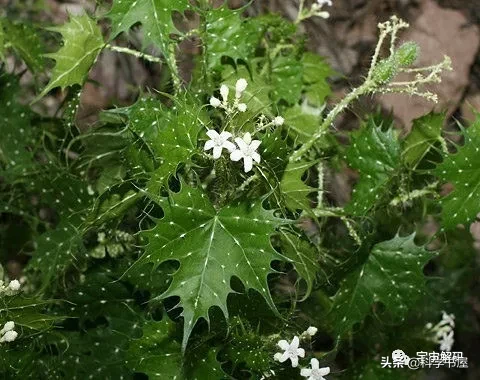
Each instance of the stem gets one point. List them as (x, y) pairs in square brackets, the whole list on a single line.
[(172, 64), (300, 12), (135, 53), (355, 94)]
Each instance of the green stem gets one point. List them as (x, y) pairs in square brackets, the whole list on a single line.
[(172, 64), (135, 53), (366, 87)]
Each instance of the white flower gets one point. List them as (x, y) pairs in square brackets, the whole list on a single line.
[(324, 2), (247, 151), (292, 351), (446, 342), (10, 325), (14, 285), (278, 121), (448, 319), (242, 107), (240, 87), (315, 373), (9, 336), (215, 102), (224, 92), (312, 330), (218, 142)]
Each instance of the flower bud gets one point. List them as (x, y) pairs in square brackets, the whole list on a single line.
[(214, 102), (278, 121), (240, 87), (407, 54), (242, 107), (14, 285), (384, 71), (224, 92)]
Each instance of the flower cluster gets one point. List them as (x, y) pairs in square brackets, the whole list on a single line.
[(292, 352), (316, 10), (442, 333), (11, 289), (240, 88), (245, 147), (7, 333)]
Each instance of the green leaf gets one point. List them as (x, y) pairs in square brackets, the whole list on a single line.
[(26, 43), (211, 246), (294, 189), (463, 172), (302, 125), (154, 15), (82, 42), (425, 133), (315, 74), (286, 77), (2, 40), (18, 137), (227, 34), (304, 257), (376, 155), (157, 353), (392, 275)]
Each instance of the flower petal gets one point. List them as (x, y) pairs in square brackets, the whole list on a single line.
[(255, 144), (315, 363), (305, 372), (284, 357), (256, 157), (283, 344), (217, 152), (247, 163), (277, 356), (229, 146), (301, 352), (212, 133), (236, 155), (295, 342), (241, 144), (324, 371), (294, 361), (209, 145), (225, 135), (247, 137)]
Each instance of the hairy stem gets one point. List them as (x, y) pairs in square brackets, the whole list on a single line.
[(135, 53)]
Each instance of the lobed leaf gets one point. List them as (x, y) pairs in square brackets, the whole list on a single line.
[(376, 155), (211, 246), (82, 43), (392, 275), (463, 172)]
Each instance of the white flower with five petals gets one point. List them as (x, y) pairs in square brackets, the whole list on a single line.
[(247, 149), (219, 141), (315, 373), (292, 351)]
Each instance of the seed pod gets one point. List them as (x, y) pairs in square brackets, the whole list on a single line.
[(385, 70), (407, 54)]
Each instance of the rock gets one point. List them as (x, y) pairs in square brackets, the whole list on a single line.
[(439, 32)]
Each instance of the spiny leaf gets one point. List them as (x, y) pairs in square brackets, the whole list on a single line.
[(425, 133), (304, 257), (315, 74), (376, 155), (18, 137), (157, 353), (392, 275), (294, 189), (82, 42), (227, 34), (25, 41), (211, 246), (286, 76), (60, 248), (462, 170)]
